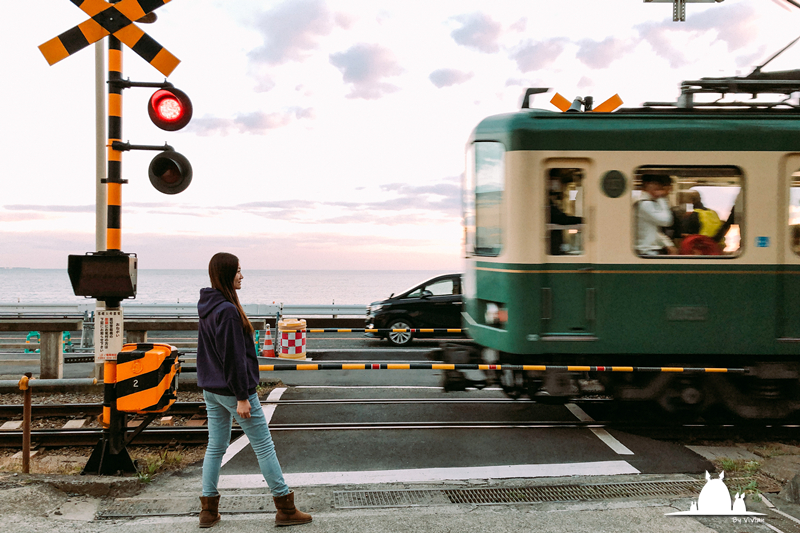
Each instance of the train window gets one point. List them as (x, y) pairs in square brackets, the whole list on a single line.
[(687, 211), (564, 210), (486, 182), (794, 212)]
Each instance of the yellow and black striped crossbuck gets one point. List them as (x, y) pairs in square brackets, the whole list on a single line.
[(112, 19), (147, 377)]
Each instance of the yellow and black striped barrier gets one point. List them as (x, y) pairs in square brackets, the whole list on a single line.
[(380, 330), (533, 368)]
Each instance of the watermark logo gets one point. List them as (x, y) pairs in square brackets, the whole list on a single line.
[(715, 500)]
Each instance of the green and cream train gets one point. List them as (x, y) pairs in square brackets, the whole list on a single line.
[(563, 267)]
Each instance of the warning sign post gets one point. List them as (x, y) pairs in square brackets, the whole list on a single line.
[(107, 334)]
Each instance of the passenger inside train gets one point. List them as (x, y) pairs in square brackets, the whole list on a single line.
[(565, 204), (653, 213), (705, 204)]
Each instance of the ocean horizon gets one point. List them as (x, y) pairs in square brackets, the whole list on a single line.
[(20, 285)]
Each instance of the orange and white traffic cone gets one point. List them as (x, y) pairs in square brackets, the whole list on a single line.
[(267, 350)]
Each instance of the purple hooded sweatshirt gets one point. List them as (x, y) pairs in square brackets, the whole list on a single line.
[(226, 355)]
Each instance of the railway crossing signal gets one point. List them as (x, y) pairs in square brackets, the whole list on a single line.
[(112, 19), (170, 172), (170, 109), (110, 275)]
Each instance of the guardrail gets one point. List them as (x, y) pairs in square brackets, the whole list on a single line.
[(136, 325), (21, 310), (51, 344)]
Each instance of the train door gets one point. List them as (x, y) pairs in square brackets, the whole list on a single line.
[(790, 295), (567, 291)]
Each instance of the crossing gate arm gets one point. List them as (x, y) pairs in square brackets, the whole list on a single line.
[(533, 368), (382, 330)]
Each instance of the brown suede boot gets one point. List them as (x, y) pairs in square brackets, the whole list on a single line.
[(209, 515), (288, 514)]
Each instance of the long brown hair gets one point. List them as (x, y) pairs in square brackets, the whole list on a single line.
[(222, 270)]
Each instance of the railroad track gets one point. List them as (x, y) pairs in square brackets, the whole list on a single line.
[(195, 431), (88, 409), (190, 408), (187, 435), (154, 435)]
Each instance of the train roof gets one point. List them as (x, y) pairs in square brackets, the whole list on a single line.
[(645, 129), (768, 121)]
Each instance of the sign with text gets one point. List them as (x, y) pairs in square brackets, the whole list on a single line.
[(107, 335)]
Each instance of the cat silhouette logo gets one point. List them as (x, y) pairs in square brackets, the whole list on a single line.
[(715, 500)]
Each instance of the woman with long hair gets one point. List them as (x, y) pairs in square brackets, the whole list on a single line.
[(227, 371)]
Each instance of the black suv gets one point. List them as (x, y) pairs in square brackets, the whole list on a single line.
[(435, 303)]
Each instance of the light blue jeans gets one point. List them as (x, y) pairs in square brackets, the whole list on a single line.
[(220, 409)]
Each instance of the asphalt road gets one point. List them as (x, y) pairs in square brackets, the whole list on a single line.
[(444, 449)]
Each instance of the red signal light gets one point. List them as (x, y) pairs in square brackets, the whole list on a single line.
[(170, 109)]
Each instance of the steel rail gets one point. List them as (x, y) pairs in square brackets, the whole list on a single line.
[(199, 435), (190, 408), (73, 409), (59, 438)]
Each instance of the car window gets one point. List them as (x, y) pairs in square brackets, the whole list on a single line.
[(441, 288), (416, 293)]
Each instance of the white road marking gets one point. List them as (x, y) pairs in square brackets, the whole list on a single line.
[(601, 433), (612, 443), (242, 442), (579, 413), (422, 475)]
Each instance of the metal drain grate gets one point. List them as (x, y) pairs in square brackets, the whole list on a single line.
[(550, 493), (561, 493), (139, 507), (388, 498)]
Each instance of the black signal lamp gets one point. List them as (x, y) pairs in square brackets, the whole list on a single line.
[(170, 109), (170, 172)]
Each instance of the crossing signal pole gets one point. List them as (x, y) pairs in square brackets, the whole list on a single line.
[(110, 275)]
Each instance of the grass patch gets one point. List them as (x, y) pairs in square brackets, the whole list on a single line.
[(163, 461), (745, 473)]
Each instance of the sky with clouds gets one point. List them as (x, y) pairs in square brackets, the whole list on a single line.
[(329, 133)]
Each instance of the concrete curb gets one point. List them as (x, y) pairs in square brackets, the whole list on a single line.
[(96, 486)]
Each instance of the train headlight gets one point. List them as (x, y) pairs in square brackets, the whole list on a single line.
[(495, 314)]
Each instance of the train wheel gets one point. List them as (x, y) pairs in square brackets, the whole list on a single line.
[(533, 384), (752, 398), (685, 397), (513, 383)]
